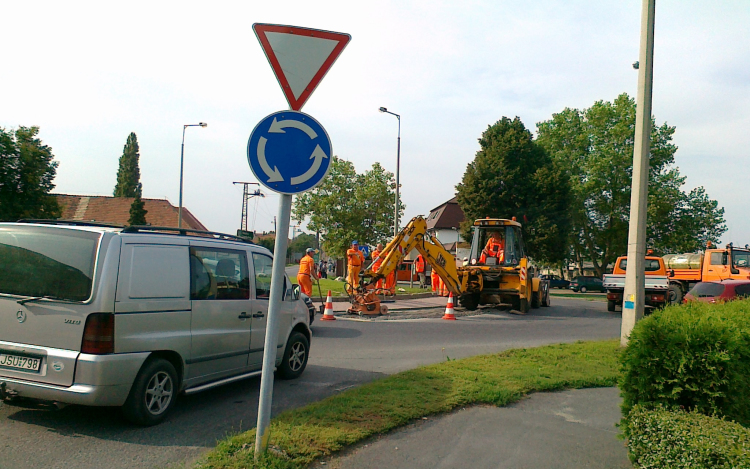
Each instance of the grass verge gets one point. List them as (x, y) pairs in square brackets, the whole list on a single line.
[(319, 429), (337, 288)]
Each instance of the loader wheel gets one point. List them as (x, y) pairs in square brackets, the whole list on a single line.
[(535, 299), (524, 306), (469, 301), (611, 306)]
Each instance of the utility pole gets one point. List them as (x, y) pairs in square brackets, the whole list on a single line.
[(246, 196), (634, 294), (274, 225)]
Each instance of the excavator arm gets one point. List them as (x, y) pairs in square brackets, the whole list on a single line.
[(415, 236)]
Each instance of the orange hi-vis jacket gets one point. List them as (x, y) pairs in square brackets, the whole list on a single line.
[(495, 248), (419, 264), (377, 263), (355, 257), (306, 266)]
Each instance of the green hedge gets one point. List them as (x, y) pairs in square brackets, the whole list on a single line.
[(660, 438), (694, 357)]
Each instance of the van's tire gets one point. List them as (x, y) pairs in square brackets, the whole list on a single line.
[(470, 301), (675, 294), (153, 394), (583, 289), (295, 356), (611, 306)]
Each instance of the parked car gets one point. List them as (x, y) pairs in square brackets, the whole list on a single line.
[(555, 281), (106, 316), (712, 292), (586, 284)]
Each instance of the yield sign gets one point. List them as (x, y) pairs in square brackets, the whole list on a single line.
[(300, 57)]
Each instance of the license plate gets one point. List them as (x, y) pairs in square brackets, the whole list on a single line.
[(18, 362)]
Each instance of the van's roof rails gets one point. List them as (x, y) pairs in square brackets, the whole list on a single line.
[(69, 222), (184, 232)]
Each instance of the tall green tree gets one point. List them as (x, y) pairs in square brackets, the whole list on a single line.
[(27, 170), (512, 176), (595, 147), (348, 206), (129, 173), (137, 209)]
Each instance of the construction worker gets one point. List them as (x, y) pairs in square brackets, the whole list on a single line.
[(306, 272), (495, 248), (377, 263), (419, 267), (434, 280), (355, 259)]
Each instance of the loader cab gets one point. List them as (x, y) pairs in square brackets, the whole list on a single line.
[(496, 243)]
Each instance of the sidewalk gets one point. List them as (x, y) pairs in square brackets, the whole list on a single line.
[(567, 429)]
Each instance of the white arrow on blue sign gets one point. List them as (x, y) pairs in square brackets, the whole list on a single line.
[(289, 152)]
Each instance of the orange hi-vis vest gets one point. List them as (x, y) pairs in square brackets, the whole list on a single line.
[(419, 264), (355, 257), (306, 265), (375, 255)]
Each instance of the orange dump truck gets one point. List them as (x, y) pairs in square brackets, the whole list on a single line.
[(715, 265), (657, 283)]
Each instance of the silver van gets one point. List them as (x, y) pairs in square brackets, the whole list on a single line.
[(107, 316)]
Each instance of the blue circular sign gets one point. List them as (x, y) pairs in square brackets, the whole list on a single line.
[(289, 152)]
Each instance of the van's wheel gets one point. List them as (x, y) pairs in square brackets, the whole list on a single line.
[(295, 356), (675, 294), (153, 393), (583, 289), (611, 306), (470, 301)]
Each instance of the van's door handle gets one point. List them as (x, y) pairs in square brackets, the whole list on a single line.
[(244, 315), (258, 315)]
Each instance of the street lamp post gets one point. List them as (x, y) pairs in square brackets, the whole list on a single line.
[(398, 165), (182, 160)]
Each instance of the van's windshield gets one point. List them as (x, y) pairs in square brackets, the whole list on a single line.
[(47, 262)]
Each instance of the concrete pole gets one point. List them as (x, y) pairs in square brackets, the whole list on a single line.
[(272, 326), (634, 295)]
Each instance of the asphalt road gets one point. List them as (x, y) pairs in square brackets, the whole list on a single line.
[(343, 354)]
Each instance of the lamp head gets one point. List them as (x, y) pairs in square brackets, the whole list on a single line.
[(382, 109), (202, 124)]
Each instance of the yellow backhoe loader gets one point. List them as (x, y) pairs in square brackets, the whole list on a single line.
[(498, 270)]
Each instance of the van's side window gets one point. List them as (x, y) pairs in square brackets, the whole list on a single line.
[(218, 274), (262, 264)]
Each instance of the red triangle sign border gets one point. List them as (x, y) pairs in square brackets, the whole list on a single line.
[(342, 40)]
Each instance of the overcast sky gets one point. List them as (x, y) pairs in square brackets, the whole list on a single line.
[(89, 73)]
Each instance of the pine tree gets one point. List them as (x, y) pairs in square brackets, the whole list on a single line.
[(129, 174), (137, 209), (512, 176)]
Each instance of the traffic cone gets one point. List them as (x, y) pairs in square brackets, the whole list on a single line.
[(449, 309), (328, 311)]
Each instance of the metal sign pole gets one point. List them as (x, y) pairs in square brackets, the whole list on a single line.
[(635, 289), (272, 326)]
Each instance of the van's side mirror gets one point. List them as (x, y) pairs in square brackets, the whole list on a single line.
[(295, 292)]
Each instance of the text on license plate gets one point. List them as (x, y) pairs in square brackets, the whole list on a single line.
[(20, 363)]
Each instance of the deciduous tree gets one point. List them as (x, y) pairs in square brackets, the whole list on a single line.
[(512, 176), (348, 206), (27, 170)]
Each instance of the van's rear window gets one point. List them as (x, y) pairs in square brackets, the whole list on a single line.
[(47, 261)]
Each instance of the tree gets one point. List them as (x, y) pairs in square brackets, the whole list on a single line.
[(302, 242), (27, 170), (129, 174), (348, 206), (137, 209), (268, 243), (512, 176), (595, 146)]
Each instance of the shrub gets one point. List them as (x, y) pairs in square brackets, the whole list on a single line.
[(695, 357), (660, 438)]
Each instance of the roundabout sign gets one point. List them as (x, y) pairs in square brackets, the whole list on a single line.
[(289, 152)]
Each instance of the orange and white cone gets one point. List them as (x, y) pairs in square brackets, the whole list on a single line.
[(328, 311), (449, 311)]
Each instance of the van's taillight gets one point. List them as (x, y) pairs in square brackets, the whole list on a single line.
[(99, 334)]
